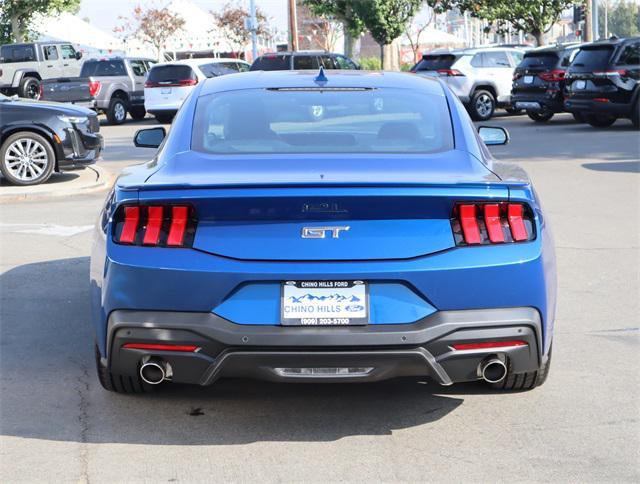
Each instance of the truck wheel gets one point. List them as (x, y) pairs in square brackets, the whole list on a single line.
[(114, 382), (540, 117), (600, 121), (26, 158), (524, 381), (29, 88), (482, 105), (137, 112), (117, 111)]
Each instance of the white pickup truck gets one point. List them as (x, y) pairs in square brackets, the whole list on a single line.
[(24, 66)]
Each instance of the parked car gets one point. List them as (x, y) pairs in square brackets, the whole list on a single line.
[(603, 82), (23, 66), (74, 90), (301, 60), (169, 84), (538, 81), (481, 78), (380, 242), (38, 138)]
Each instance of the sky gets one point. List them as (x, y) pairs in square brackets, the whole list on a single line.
[(104, 13)]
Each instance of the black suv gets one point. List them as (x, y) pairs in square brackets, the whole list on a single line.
[(603, 82), (286, 61), (538, 81)]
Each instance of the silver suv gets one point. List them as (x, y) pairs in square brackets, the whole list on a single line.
[(481, 77)]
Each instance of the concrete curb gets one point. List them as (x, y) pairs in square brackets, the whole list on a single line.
[(92, 179)]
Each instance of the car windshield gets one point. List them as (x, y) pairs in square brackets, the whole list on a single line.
[(593, 58), (322, 121), (539, 60), (435, 62)]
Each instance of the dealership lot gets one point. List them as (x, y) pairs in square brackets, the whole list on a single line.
[(57, 424)]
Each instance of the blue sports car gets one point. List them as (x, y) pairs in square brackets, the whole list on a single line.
[(322, 227)]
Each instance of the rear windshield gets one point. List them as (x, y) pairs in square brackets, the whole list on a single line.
[(17, 53), (321, 121), (548, 60), (435, 62), (271, 63), (589, 59), (103, 68), (170, 73)]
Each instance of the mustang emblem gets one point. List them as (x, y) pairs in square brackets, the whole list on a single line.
[(321, 232)]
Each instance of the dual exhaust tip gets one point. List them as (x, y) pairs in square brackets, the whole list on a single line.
[(492, 370), (154, 371)]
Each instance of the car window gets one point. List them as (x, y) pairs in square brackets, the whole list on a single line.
[(383, 120), (17, 53), (103, 68), (170, 73), (217, 69), (67, 51), (328, 62), (302, 62), (568, 56), (592, 58), (630, 56), (539, 60), (344, 62), (242, 67), (517, 56), (477, 60), (272, 62), (435, 62), (495, 59), (149, 64), (50, 52), (138, 68)]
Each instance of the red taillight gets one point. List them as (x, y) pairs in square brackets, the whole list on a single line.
[(187, 82), (516, 76), (94, 88), (154, 225), (41, 90), (180, 83), (553, 76), (600, 99), (161, 347), (450, 72), (492, 223), (488, 345)]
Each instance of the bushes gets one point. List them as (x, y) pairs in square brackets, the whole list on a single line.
[(370, 63)]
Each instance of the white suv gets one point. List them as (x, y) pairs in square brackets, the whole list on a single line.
[(168, 84), (481, 77)]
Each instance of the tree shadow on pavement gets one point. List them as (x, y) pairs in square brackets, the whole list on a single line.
[(50, 391)]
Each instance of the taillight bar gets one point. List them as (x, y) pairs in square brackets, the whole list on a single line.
[(482, 223), (612, 73), (450, 72), (553, 76), (180, 83), (161, 347), (154, 225)]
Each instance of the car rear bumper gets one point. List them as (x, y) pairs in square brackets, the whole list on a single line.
[(585, 106), (276, 353), (538, 102)]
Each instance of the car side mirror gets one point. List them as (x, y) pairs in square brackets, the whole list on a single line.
[(493, 135), (78, 55), (149, 138)]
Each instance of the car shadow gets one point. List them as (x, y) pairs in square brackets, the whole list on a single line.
[(50, 390), (55, 178), (618, 166)]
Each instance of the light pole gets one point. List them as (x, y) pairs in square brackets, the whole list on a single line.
[(254, 37)]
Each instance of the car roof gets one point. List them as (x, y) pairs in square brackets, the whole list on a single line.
[(200, 61), (335, 79)]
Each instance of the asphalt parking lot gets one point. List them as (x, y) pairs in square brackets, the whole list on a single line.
[(57, 424)]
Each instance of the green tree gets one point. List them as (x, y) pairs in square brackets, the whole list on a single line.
[(535, 17), (16, 16), (386, 20), (341, 11), (623, 18)]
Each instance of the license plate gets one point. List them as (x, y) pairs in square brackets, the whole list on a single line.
[(579, 84), (165, 90), (324, 303), (528, 79)]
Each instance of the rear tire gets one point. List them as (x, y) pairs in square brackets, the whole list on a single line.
[(114, 382), (635, 115), (524, 381), (29, 88), (541, 116), (117, 111), (600, 121), (137, 112), (482, 105)]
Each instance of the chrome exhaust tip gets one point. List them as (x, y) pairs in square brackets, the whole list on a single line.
[(153, 372), (493, 370)]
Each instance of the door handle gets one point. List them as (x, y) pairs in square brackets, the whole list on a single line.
[(66, 65), (51, 65)]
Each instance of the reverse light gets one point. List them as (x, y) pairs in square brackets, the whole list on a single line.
[(161, 347), (484, 223), (154, 225), (483, 345)]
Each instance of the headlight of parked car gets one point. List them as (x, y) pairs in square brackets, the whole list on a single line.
[(72, 119)]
